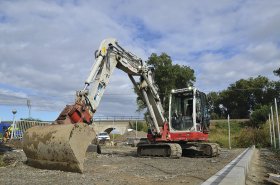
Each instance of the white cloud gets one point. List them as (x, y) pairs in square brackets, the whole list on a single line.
[(46, 47), (219, 72)]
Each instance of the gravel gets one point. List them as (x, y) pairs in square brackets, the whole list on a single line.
[(119, 165), (264, 161)]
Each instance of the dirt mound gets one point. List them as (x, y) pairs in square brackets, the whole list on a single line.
[(131, 134), (15, 143)]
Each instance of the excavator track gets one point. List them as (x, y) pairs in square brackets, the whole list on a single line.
[(171, 150), (211, 149), (205, 149)]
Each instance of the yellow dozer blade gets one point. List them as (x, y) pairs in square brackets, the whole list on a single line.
[(58, 147)]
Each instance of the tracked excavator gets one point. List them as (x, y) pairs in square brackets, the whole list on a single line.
[(63, 144)]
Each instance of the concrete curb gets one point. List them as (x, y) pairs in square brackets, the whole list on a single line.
[(235, 172)]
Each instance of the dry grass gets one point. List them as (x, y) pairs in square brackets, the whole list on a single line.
[(219, 132), (242, 135)]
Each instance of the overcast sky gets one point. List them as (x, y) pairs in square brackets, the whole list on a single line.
[(47, 47)]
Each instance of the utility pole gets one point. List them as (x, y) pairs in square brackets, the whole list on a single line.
[(270, 130), (29, 107), (277, 121), (273, 128), (229, 143), (14, 111), (224, 109), (114, 130), (136, 129)]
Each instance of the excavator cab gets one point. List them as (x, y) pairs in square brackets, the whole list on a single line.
[(188, 110), (186, 129)]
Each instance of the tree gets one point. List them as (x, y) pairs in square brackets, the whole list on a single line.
[(245, 95), (213, 100), (141, 126), (277, 72), (30, 119), (167, 77), (260, 115)]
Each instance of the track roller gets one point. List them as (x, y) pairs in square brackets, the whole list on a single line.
[(171, 150), (201, 149)]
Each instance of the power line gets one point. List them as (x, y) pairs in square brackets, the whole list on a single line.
[(239, 89)]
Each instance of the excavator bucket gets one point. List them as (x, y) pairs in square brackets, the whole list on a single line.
[(58, 147)]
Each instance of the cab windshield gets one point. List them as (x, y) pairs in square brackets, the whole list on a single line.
[(182, 111)]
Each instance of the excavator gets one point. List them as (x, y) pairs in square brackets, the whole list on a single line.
[(62, 145)]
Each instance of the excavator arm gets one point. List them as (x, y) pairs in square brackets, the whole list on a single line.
[(108, 57)]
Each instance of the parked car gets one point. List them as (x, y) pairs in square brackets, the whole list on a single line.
[(103, 136)]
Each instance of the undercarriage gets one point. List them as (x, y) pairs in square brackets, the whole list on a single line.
[(175, 150)]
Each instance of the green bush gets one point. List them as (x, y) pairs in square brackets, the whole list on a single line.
[(254, 136), (141, 126), (214, 116), (260, 115), (30, 119)]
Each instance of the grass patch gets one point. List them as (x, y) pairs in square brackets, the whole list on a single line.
[(115, 136), (242, 135), (219, 132)]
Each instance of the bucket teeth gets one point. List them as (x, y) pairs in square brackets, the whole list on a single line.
[(59, 147)]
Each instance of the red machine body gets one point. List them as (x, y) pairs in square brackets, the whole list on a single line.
[(77, 113), (168, 136)]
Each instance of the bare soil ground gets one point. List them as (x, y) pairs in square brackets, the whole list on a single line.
[(119, 165), (264, 161)]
